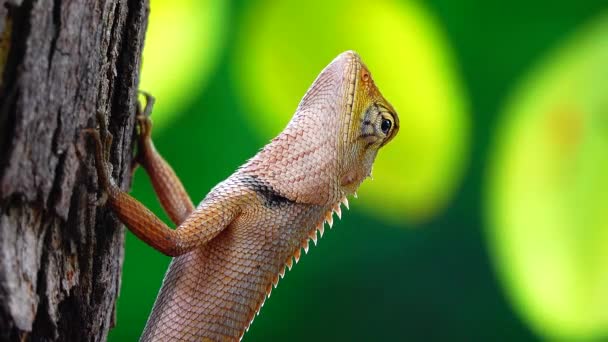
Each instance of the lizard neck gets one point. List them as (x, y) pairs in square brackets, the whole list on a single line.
[(302, 162)]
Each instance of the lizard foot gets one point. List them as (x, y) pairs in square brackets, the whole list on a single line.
[(144, 129), (103, 142)]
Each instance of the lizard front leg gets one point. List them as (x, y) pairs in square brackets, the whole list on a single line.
[(169, 189), (200, 226)]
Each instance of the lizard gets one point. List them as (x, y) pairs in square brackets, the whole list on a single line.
[(231, 249)]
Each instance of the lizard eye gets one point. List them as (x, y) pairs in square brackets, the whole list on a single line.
[(385, 126)]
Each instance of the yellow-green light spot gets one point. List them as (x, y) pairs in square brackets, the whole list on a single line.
[(286, 45), (182, 45), (548, 191)]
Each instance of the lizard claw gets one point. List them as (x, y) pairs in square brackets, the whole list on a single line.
[(143, 116), (149, 104), (103, 141), (144, 129), (101, 201), (103, 135)]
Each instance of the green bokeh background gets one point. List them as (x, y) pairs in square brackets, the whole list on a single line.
[(369, 278)]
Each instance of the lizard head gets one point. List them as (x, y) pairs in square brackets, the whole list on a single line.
[(367, 122), (330, 144)]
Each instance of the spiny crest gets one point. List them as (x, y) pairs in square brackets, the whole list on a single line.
[(345, 202), (289, 262), (329, 218), (312, 235), (338, 211), (320, 228)]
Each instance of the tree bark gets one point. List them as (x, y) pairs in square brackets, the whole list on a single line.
[(60, 252)]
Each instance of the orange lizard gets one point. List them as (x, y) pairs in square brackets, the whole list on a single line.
[(231, 249)]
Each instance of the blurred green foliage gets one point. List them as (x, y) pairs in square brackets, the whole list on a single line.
[(227, 77)]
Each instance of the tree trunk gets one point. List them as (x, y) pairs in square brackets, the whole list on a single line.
[(60, 253)]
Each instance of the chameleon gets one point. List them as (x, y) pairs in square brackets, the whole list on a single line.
[(231, 249)]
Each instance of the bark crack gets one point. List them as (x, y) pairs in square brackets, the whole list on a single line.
[(56, 30), (9, 93)]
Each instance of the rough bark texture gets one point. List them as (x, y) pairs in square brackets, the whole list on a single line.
[(60, 253)]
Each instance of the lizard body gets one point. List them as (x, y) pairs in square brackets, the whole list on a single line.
[(231, 249)]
